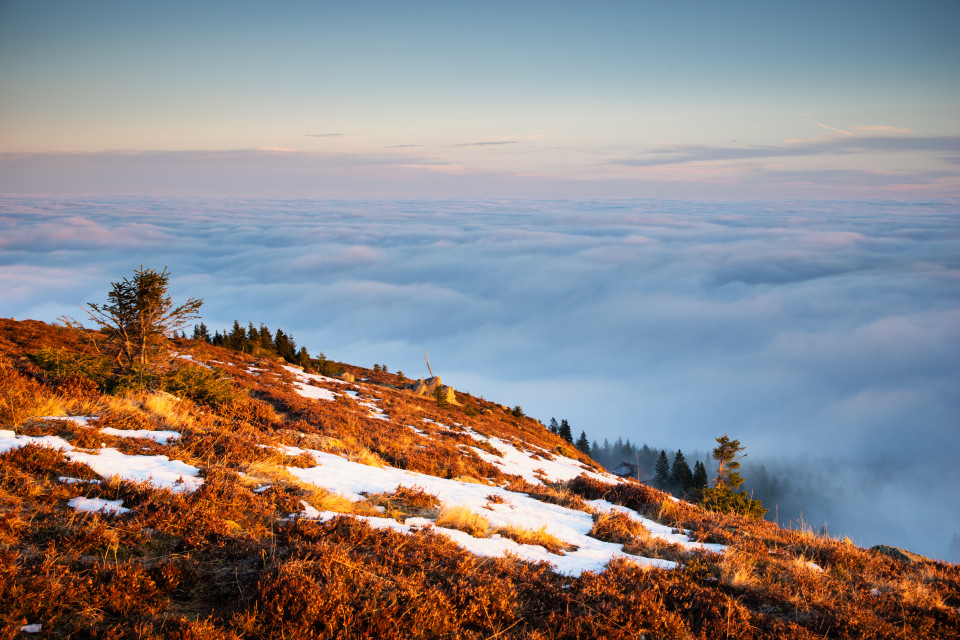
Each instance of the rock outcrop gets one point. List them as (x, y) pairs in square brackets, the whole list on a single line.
[(900, 554), (429, 388)]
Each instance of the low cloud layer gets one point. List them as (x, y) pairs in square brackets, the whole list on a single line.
[(829, 329)]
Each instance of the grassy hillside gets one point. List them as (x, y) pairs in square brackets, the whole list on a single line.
[(254, 500)]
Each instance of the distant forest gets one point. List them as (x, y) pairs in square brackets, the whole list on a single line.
[(791, 492)]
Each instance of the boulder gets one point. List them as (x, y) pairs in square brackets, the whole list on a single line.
[(900, 554), (428, 388), (347, 377)]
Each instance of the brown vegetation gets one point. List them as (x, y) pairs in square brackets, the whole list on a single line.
[(231, 561)]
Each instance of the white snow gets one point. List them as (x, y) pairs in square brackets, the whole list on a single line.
[(161, 437), (109, 507), (31, 628), (10, 440), (69, 480), (517, 510), (302, 375), (521, 463), (158, 470)]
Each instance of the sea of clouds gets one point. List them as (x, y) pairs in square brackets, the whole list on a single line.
[(824, 329)]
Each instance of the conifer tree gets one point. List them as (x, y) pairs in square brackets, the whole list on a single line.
[(200, 332), (582, 443), (303, 358), (662, 477), (285, 347), (681, 478), (699, 482), (237, 338), (264, 337), (727, 455), (554, 427), (725, 495), (139, 318), (565, 432)]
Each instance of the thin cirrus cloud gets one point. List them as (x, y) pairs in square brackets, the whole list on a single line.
[(683, 154), (824, 328)]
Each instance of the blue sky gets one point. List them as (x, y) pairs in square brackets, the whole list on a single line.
[(464, 99)]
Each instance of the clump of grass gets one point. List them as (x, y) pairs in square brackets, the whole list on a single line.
[(406, 502), (463, 519), (738, 569), (541, 537), (616, 526)]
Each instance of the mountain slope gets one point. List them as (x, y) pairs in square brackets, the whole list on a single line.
[(261, 501)]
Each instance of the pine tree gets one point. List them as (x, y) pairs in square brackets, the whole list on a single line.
[(266, 342), (725, 496), (200, 332), (681, 478), (662, 478), (237, 338), (565, 432), (139, 318), (303, 358), (554, 427), (582, 443), (728, 463), (285, 347), (699, 481)]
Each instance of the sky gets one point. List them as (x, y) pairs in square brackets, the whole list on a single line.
[(663, 221), (504, 99)]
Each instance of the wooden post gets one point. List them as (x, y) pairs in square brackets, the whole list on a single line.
[(427, 357)]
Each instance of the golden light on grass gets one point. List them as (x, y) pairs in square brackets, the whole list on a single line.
[(463, 519)]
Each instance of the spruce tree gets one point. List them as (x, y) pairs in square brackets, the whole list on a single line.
[(554, 426), (699, 482), (266, 342), (237, 338), (662, 477), (139, 318), (582, 443), (681, 478), (725, 496), (200, 332), (565, 432)]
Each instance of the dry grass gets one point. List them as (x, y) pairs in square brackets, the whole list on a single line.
[(463, 519), (541, 537), (229, 562), (616, 526)]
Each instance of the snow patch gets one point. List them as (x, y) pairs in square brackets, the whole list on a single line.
[(94, 505), (160, 437), (354, 480), (159, 471)]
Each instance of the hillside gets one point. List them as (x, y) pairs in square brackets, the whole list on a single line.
[(253, 499)]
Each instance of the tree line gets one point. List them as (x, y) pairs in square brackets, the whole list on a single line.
[(677, 478), (259, 341)]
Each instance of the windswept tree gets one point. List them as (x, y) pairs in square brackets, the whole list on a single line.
[(139, 318), (725, 495), (728, 456)]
